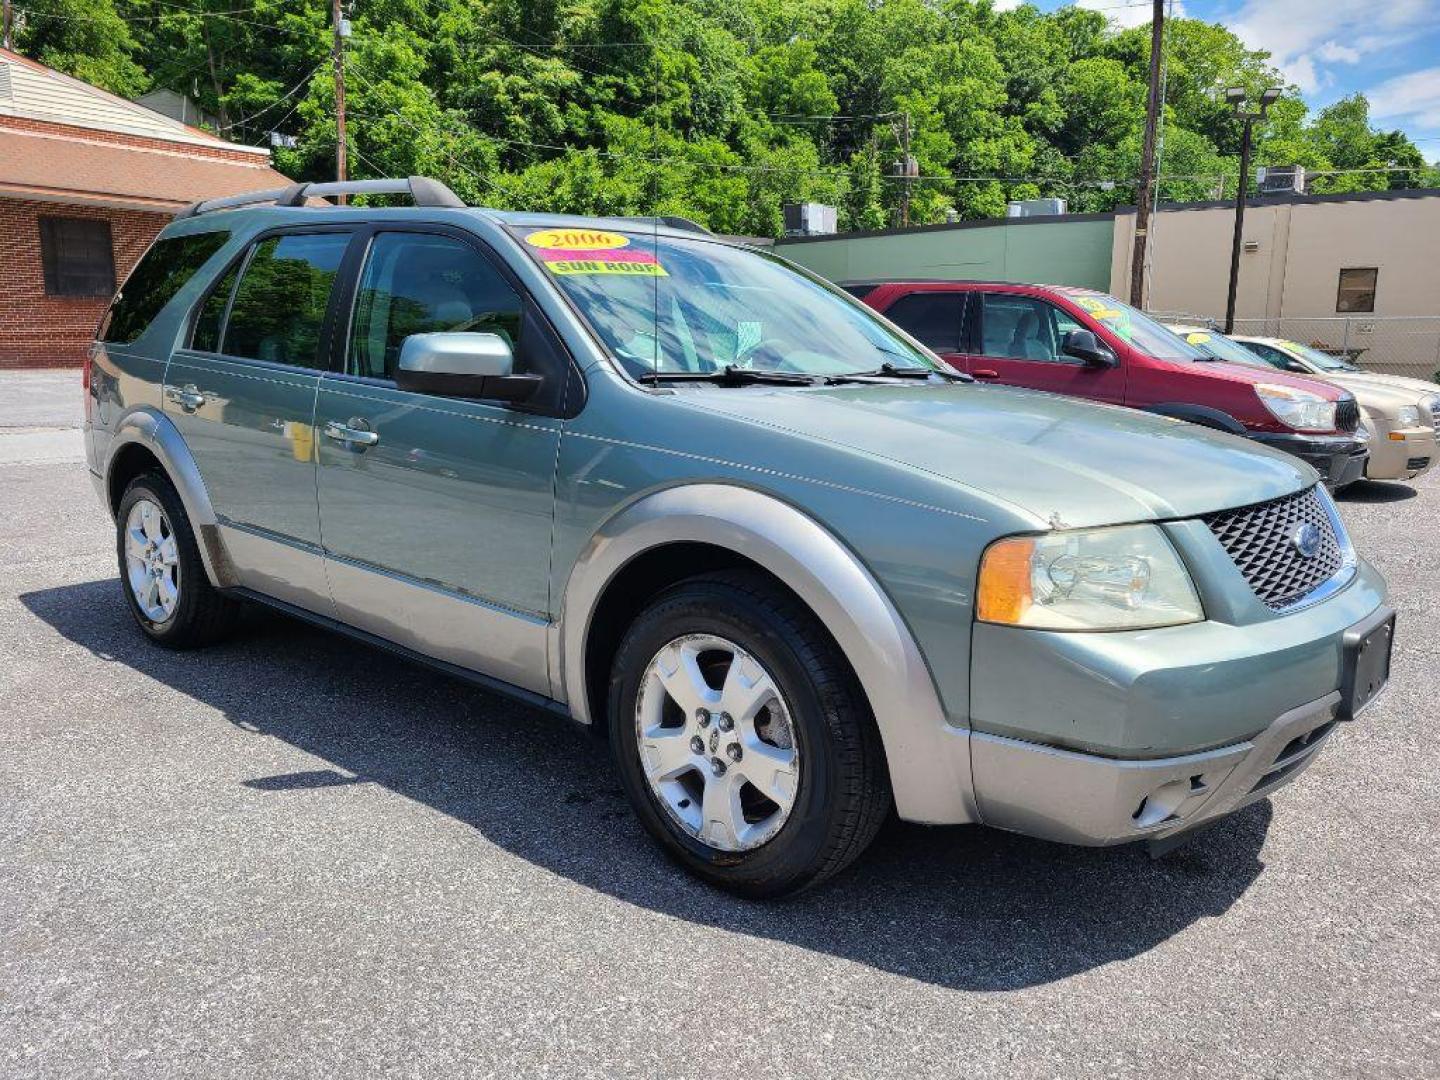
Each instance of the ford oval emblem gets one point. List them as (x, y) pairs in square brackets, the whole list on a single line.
[(1306, 539)]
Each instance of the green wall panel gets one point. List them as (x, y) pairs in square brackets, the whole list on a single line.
[(1065, 251)]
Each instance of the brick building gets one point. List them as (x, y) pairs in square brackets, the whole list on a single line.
[(86, 181)]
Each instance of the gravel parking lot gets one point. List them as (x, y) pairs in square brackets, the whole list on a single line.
[(295, 856)]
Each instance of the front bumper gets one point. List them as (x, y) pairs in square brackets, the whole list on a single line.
[(1402, 453), (1101, 739), (1095, 801), (1339, 459)]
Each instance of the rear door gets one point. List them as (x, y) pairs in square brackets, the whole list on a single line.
[(1015, 339), (934, 318), (242, 393), (437, 533)]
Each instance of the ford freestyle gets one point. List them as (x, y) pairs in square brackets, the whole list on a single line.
[(799, 572), (1087, 344)]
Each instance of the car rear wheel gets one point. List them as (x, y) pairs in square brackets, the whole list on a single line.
[(161, 571), (743, 739)]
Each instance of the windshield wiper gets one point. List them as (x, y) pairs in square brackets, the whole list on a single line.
[(887, 370), (731, 375)]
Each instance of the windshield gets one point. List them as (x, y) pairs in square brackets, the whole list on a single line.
[(1136, 328), (1323, 361), (1223, 348), (663, 304)]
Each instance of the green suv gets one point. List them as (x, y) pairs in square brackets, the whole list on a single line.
[(799, 572)]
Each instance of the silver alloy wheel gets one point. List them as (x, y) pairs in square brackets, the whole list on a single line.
[(152, 561), (717, 742)]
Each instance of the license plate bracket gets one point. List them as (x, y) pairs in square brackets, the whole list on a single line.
[(1366, 664)]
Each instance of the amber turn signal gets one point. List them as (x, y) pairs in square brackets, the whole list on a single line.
[(1003, 594)]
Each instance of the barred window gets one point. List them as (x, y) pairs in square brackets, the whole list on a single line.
[(77, 256)]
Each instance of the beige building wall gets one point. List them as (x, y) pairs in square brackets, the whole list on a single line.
[(1289, 282)]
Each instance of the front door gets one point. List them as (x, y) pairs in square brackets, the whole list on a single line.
[(242, 393), (1016, 340), (436, 526)]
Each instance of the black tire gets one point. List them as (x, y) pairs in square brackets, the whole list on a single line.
[(843, 792), (202, 615)]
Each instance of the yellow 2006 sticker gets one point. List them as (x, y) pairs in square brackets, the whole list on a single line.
[(1197, 338), (629, 267), (577, 240)]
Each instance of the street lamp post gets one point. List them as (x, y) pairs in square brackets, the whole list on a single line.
[(1235, 97)]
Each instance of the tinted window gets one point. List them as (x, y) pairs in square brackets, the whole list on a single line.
[(933, 318), (418, 284), (1024, 328), (77, 257), (164, 270), (279, 306), (212, 313)]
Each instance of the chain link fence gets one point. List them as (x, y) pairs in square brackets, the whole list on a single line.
[(1395, 345)]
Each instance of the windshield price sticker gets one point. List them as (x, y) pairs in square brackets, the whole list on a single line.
[(577, 240), (633, 267)]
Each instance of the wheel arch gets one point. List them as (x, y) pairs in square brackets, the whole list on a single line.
[(146, 440), (1203, 415), (724, 525)]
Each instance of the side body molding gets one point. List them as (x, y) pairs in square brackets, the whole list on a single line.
[(153, 430), (928, 756)]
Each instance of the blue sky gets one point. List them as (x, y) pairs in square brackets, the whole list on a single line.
[(1330, 48)]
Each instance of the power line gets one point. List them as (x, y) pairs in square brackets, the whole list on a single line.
[(280, 101)]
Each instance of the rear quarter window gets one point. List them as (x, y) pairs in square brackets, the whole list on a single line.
[(160, 274)]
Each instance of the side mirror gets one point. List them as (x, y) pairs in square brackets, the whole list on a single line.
[(462, 365), (1297, 367), (1085, 346)]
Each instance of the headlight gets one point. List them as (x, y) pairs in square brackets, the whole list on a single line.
[(1124, 578), (1408, 417), (1299, 409)]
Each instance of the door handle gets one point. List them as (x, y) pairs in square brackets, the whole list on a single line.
[(188, 397), (352, 436), (985, 373)]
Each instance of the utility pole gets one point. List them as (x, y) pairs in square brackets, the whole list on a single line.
[(1236, 97), (905, 168), (1146, 197), (342, 28), (6, 17)]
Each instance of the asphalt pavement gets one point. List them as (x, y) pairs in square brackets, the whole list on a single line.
[(294, 856)]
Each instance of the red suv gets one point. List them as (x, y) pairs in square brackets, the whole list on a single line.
[(1087, 344)]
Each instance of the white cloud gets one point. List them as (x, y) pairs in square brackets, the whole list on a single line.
[(1124, 14), (1304, 37), (1332, 52), (1414, 98), (1006, 5)]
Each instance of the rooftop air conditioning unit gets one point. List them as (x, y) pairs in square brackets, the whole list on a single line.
[(809, 219), (1035, 208), (1280, 179)]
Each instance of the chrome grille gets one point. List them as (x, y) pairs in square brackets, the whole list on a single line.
[(1261, 539), (1347, 414)]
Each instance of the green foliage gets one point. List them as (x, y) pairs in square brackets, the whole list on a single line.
[(723, 110)]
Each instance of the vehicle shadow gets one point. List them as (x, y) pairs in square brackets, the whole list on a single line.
[(1376, 491), (965, 908)]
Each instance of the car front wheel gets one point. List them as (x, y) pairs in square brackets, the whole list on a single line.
[(743, 739)]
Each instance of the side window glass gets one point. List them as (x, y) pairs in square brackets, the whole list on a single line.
[(207, 324), (1020, 328), (1272, 356), (419, 284), (933, 318), (279, 307), (162, 273)]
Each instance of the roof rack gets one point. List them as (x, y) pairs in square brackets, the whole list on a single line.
[(682, 223), (422, 190)]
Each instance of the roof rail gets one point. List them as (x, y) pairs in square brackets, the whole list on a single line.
[(422, 190), (682, 223)]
